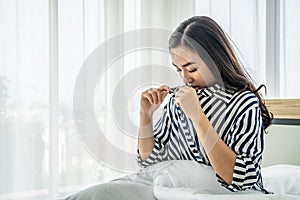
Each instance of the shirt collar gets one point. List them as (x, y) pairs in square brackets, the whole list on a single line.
[(208, 91), (216, 90)]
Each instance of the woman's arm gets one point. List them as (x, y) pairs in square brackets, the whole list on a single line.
[(237, 162), (146, 138), (221, 157), (150, 100)]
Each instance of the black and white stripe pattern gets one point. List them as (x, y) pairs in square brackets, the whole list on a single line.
[(236, 116)]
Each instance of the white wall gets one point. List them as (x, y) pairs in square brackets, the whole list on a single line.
[(282, 145)]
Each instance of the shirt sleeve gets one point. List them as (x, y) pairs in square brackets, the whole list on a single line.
[(161, 134), (247, 142)]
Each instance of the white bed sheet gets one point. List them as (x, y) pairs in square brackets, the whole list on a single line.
[(188, 180), (282, 179)]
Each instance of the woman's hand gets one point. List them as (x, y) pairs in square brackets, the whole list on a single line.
[(152, 98), (186, 97)]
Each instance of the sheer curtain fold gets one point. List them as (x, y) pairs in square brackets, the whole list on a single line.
[(53, 99), (23, 75)]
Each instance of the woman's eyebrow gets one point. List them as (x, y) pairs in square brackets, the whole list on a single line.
[(186, 64)]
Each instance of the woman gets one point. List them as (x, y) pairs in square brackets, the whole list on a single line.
[(217, 119)]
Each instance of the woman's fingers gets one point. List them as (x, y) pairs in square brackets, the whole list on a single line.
[(183, 90), (182, 93), (164, 92), (151, 96), (165, 88), (179, 93), (148, 96), (156, 95)]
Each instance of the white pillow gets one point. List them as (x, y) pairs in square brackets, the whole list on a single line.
[(282, 179)]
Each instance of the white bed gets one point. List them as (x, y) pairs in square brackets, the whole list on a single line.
[(189, 180), (173, 180)]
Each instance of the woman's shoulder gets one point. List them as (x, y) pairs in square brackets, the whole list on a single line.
[(244, 98), (236, 96)]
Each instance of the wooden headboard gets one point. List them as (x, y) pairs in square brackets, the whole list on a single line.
[(285, 111)]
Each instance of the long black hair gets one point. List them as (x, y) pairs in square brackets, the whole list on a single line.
[(203, 35)]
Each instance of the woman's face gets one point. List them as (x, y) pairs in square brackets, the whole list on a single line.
[(191, 68)]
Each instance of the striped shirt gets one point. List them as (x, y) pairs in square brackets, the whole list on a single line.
[(236, 117)]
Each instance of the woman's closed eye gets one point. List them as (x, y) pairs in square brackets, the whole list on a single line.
[(178, 70), (190, 71)]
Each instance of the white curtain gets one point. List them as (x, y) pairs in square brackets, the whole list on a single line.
[(265, 35), (43, 48)]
